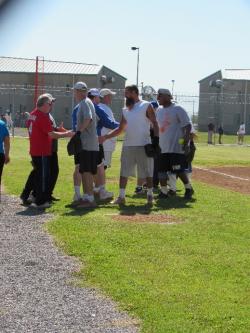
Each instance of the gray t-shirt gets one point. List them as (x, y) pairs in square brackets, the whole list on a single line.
[(89, 137), (171, 121)]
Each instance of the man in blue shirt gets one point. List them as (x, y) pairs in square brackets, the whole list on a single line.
[(103, 120), (4, 147)]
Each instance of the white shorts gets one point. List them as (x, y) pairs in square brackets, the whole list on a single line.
[(132, 157), (107, 158)]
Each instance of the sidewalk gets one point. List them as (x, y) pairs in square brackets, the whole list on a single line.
[(37, 289)]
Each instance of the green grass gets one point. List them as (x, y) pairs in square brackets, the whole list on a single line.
[(187, 277)]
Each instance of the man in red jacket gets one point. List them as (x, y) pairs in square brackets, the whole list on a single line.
[(41, 134)]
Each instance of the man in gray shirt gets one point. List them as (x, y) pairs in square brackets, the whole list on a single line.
[(174, 136), (86, 128)]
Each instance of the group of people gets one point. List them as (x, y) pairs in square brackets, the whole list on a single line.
[(211, 133), (157, 142)]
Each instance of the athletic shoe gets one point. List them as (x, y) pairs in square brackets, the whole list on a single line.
[(150, 200), (188, 193), (171, 193), (139, 190), (162, 195), (42, 206), (105, 195), (86, 204), (119, 201)]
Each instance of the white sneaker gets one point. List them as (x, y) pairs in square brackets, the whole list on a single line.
[(42, 206), (104, 195)]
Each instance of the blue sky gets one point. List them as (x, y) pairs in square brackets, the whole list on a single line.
[(179, 40)]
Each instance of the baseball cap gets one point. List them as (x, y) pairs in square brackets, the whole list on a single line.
[(45, 98), (164, 91), (105, 92), (80, 86), (94, 92)]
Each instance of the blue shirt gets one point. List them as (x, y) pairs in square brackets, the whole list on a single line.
[(104, 120), (74, 117), (3, 133)]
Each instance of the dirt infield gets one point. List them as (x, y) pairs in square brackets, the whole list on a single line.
[(233, 178)]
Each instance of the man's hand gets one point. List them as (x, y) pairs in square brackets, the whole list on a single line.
[(101, 139), (61, 128)]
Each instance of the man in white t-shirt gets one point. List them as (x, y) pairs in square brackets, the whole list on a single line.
[(174, 134), (136, 119), (106, 96)]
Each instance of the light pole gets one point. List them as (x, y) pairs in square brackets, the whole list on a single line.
[(173, 81), (134, 48)]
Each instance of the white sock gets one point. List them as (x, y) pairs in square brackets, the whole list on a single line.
[(164, 189), (122, 193), (188, 186), (150, 191), (78, 191)]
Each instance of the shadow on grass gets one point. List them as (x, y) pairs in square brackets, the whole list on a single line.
[(30, 211)]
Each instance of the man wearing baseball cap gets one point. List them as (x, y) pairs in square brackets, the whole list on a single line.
[(103, 120), (106, 96), (41, 134), (86, 129), (174, 135)]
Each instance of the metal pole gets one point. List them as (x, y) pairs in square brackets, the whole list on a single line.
[(245, 104), (138, 59)]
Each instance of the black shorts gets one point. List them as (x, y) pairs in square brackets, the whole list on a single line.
[(176, 163), (101, 155), (89, 161), (77, 158)]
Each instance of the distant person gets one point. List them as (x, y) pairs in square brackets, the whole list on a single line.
[(210, 133), (4, 148), (241, 133), (220, 132)]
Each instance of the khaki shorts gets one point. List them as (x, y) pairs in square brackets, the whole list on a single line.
[(132, 157)]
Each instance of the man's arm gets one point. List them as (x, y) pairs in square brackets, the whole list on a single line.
[(151, 116), (115, 132), (59, 135), (7, 149)]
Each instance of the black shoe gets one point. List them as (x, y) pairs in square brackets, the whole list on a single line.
[(171, 193), (53, 198), (138, 190), (25, 200), (162, 195), (188, 193)]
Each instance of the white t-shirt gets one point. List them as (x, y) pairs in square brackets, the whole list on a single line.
[(171, 121), (242, 129), (138, 125), (108, 145)]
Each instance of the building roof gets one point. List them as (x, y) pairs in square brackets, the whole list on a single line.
[(23, 65), (231, 74), (236, 74)]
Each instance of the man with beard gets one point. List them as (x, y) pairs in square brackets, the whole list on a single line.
[(174, 126), (136, 119)]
